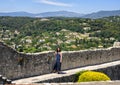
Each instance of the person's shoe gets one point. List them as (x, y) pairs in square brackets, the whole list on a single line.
[(59, 72), (54, 71)]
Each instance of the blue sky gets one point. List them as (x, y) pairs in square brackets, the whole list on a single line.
[(39, 6)]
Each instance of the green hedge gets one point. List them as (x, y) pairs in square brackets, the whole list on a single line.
[(87, 76)]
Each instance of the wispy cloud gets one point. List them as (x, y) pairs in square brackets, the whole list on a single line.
[(12, 0), (54, 3)]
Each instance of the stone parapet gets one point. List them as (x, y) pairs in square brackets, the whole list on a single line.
[(16, 65)]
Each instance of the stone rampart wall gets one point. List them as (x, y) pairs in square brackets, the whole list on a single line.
[(16, 65)]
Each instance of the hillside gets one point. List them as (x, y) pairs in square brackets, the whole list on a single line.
[(43, 34)]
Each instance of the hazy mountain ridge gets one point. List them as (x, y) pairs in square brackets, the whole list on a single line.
[(99, 14), (17, 14), (60, 13)]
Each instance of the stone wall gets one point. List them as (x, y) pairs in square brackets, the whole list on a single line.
[(112, 72), (116, 44), (16, 65)]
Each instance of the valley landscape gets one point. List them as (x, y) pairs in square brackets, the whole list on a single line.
[(59, 42), (31, 34)]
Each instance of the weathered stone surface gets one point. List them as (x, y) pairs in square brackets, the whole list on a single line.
[(16, 65), (101, 83), (116, 44), (69, 75), (82, 83)]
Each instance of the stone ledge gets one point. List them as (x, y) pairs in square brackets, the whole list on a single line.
[(82, 83), (53, 77), (101, 83)]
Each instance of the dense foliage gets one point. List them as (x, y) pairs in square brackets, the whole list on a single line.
[(93, 76), (42, 34)]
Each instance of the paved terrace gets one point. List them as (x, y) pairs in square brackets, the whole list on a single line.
[(40, 78)]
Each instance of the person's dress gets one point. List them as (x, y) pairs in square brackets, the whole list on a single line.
[(57, 66)]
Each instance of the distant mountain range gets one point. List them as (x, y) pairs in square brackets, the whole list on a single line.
[(99, 14), (45, 14)]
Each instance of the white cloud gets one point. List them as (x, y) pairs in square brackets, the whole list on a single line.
[(54, 3)]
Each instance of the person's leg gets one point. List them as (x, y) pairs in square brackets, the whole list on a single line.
[(58, 67), (54, 68)]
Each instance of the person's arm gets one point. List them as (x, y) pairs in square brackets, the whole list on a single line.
[(55, 54), (61, 57)]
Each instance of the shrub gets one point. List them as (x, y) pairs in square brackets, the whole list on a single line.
[(93, 76), (78, 74)]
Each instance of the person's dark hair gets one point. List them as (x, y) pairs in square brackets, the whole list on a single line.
[(58, 50)]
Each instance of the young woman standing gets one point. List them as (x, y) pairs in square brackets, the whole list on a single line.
[(57, 66)]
